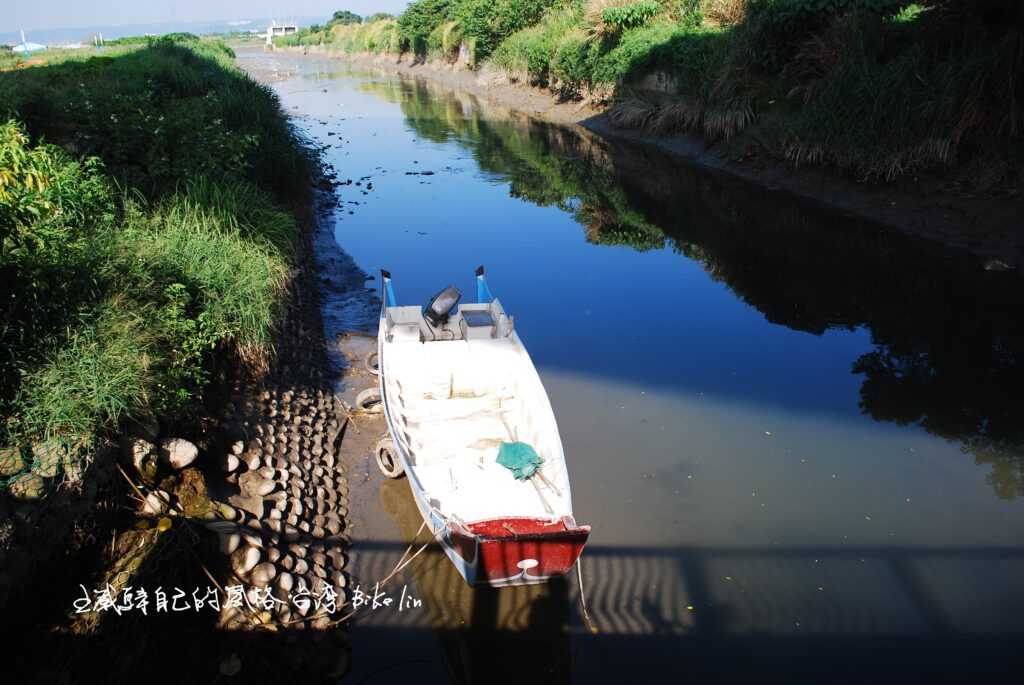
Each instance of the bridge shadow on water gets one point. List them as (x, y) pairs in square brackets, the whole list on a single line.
[(639, 598), (710, 614)]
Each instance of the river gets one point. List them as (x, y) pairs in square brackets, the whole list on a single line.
[(798, 439)]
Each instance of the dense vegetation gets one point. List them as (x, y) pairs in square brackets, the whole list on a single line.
[(877, 88), (145, 227)]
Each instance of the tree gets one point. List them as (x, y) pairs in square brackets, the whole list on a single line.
[(346, 17)]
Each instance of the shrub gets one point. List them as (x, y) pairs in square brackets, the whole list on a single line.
[(776, 28), (532, 50), (445, 39), (725, 12), (573, 61), (418, 20), (379, 36), (638, 49), (488, 22), (345, 17), (630, 16), (115, 302)]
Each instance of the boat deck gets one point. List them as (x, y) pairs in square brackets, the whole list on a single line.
[(455, 402)]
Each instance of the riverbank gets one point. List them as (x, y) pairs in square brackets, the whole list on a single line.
[(986, 227), (170, 415)]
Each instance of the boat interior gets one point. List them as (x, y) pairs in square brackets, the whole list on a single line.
[(455, 393)]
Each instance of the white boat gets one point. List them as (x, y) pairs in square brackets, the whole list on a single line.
[(458, 388)]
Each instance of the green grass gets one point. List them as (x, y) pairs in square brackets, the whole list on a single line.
[(380, 36), (148, 217), (877, 89)]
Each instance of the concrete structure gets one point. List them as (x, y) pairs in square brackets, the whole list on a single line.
[(27, 47), (275, 30)]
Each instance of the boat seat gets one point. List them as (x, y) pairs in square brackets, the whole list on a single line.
[(471, 437), (426, 409), (448, 370)]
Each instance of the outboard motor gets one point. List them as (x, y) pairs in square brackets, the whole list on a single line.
[(441, 305)]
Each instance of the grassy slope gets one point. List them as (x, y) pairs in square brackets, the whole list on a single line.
[(879, 89), (147, 218)]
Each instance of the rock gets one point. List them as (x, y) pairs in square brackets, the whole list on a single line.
[(244, 560), (285, 582), (252, 538), (178, 452), (46, 458), (283, 612), (237, 448), (156, 503), (337, 558), (226, 511), (11, 461), (192, 496), (333, 524), (27, 486), (252, 460), (229, 463), (253, 484), (252, 504), (229, 542), (263, 574)]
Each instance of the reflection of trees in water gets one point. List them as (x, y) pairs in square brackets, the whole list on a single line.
[(540, 162), (949, 337)]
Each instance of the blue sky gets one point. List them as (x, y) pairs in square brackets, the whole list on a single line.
[(52, 14)]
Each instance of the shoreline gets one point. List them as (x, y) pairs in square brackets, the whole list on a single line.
[(987, 228)]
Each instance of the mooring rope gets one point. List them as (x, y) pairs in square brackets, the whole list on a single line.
[(583, 596), (399, 566)]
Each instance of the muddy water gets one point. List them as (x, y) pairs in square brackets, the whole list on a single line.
[(798, 439)]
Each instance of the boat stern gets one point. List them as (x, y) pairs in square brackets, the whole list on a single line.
[(524, 551)]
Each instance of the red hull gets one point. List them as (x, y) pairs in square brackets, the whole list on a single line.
[(519, 551)]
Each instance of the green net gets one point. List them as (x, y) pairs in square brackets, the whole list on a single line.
[(518, 457)]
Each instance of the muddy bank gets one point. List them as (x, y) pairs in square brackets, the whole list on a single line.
[(925, 207), (140, 521)]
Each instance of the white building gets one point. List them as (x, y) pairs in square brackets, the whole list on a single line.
[(275, 30)]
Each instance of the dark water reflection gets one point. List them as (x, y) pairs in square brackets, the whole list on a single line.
[(798, 438), (947, 336)]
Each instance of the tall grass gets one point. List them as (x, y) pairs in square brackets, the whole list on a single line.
[(380, 36), (877, 88), (155, 238)]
